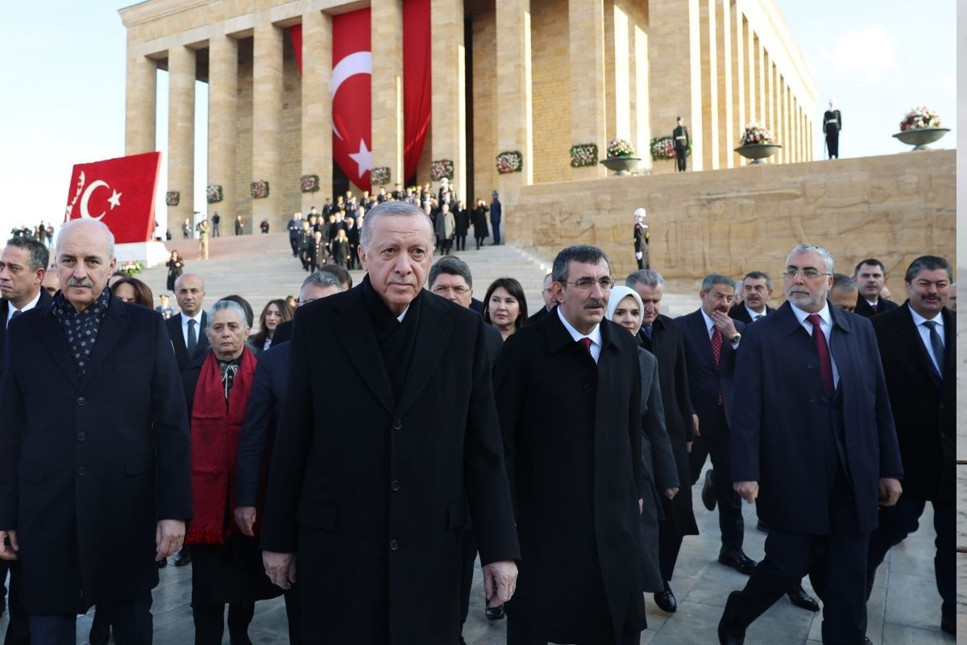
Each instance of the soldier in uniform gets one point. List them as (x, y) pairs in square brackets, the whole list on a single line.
[(682, 141), (832, 124), (641, 239)]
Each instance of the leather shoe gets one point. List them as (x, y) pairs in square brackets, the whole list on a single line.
[(708, 491), (183, 558), (729, 634), (665, 600), (801, 599), (495, 613), (867, 641), (949, 627), (738, 560)]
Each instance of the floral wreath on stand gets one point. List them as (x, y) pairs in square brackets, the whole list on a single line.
[(309, 183), (755, 134), (441, 169), (618, 148), (510, 161), (584, 154), (380, 175), (920, 118), (214, 194), (260, 189)]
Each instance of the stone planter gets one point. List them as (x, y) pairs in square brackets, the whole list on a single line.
[(621, 165), (920, 137), (758, 152)]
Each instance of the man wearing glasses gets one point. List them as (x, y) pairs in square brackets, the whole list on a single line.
[(575, 467), (814, 444)]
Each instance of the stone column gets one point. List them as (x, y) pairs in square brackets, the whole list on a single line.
[(514, 99), (739, 64), (222, 125), (141, 97), (770, 117), (586, 53), (710, 82), (752, 79), (725, 89), (780, 122), (317, 103), (762, 74), (449, 124), (387, 92), (181, 135), (266, 125)]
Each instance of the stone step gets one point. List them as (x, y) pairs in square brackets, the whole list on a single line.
[(261, 268)]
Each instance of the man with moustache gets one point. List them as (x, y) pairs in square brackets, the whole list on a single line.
[(94, 482), (711, 339), (870, 278), (575, 466), (661, 336), (377, 453), (917, 342), (756, 288), (814, 445)]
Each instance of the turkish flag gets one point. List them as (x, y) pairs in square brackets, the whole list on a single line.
[(119, 192), (352, 72)]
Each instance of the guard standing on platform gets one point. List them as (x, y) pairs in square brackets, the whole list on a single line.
[(682, 143), (832, 124), (641, 239)]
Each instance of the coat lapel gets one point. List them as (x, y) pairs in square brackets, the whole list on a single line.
[(432, 336), (111, 329), (52, 335), (355, 330)]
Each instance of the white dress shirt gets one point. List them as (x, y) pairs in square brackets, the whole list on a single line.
[(594, 335)]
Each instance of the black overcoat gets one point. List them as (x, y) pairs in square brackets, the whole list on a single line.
[(89, 465), (369, 489), (572, 436)]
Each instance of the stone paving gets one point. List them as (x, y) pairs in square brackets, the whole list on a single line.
[(904, 608)]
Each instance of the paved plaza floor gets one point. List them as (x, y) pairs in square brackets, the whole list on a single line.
[(903, 610)]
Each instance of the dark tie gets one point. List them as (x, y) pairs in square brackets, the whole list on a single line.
[(649, 330), (586, 344), (822, 348), (936, 343), (192, 337), (16, 312)]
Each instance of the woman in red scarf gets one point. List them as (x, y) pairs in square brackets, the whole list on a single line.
[(226, 565)]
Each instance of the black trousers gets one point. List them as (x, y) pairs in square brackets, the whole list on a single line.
[(832, 143), (131, 622), (714, 442), (293, 613), (897, 522), (669, 544), (18, 629), (789, 556), (210, 622), (681, 155), (466, 572), (519, 634)]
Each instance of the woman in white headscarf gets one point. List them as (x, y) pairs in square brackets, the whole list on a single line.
[(661, 474)]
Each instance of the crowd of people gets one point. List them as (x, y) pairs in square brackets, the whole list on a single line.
[(360, 449)]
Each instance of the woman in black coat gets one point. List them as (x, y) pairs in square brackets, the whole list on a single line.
[(480, 231), (462, 217), (175, 267)]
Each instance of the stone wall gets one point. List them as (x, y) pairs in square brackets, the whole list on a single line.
[(732, 221)]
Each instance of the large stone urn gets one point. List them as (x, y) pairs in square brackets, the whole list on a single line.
[(758, 152), (920, 137), (621, 165)]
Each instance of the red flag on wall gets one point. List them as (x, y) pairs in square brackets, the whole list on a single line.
[(119, 192)]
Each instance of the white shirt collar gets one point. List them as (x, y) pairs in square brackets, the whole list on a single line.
[(594, 334), (27, 307), (919, 320), (801, 314), (755, 314)]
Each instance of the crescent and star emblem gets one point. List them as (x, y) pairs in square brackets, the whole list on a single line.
[(114, 199)]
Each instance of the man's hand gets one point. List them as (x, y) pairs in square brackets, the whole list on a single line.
[(671, 492), (748, 491), (890, 491), (688, 446), (169, 537), (245, 519), (500, 582), (280, 568), (641, 506), (725, 324), (695, 425), (9, 551)]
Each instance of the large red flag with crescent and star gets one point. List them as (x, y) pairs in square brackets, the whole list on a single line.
[(352, 70), (119, 192)]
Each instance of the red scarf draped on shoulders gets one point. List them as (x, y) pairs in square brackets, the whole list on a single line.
[(216, 426)]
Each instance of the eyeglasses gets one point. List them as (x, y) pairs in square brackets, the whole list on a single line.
[(442, 290), (808, 272), (586, 283)]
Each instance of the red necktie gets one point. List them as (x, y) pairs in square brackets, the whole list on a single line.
[(717, 354), (586, 344), (825, 364)]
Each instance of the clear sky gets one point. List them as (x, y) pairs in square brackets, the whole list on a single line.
[(62, 73)]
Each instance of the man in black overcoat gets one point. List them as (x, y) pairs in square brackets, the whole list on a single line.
[(94, 484), (917, 344), (814, 445), (870, 278), (378, 450), (575, 466)]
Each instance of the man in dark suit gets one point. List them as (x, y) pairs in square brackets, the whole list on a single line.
[(832, 124), (261, 426), (547, 293), (187, 328), (575, 467), (95, 481), (870, 278), (918, 348), (661, 336), (389, 425), (496, 212), (22, 273), (813, 443), (756, 289), (711, 340), (682, 143)]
